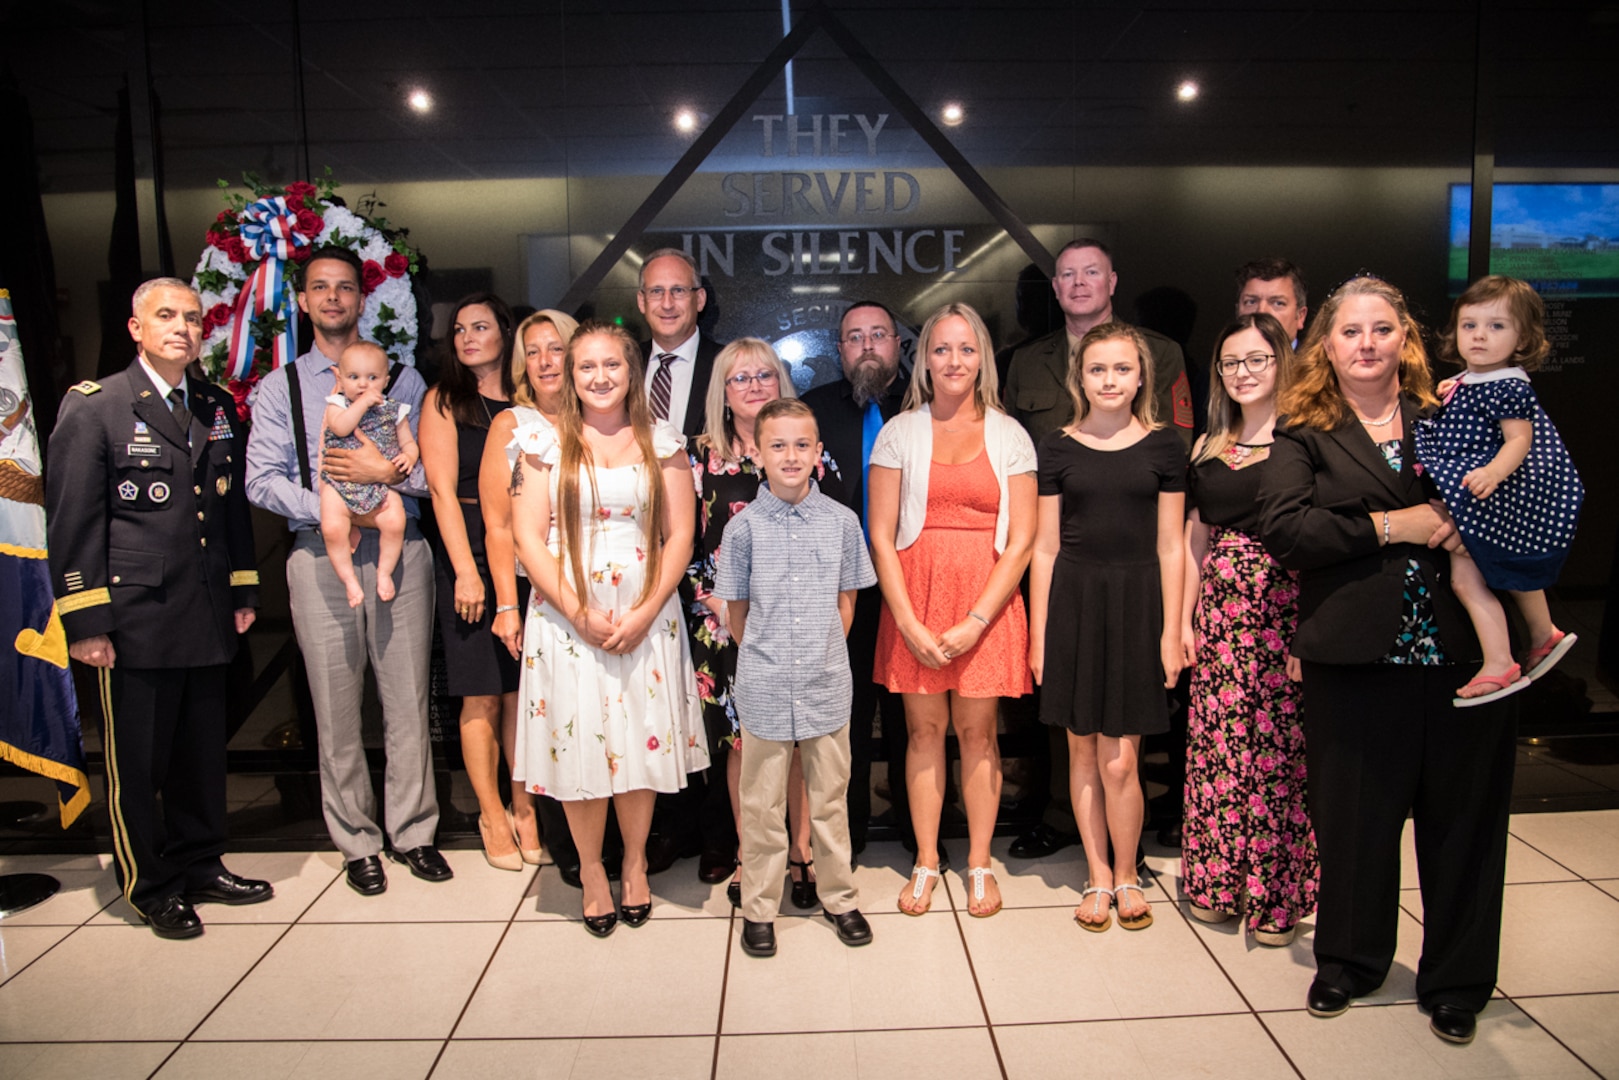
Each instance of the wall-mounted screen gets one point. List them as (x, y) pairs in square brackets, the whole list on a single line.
[(1562, 238)]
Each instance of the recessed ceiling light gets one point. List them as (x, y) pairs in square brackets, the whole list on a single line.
[(420, 100), (953, 114), (686, 120), (1187, 91)]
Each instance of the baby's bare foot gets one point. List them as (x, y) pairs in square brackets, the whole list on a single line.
[(356, 595), (385, 587)]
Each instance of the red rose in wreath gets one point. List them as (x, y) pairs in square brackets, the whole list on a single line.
[(372, 275), (236, 250), (396, 264), (301, 254), (217, 316), (309, 223), (238, 390), (301, 190), (217, 239)]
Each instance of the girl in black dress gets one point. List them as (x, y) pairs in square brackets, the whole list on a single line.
[(1104, 590)]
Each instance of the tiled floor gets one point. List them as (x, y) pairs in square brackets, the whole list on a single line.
[(491, 975)]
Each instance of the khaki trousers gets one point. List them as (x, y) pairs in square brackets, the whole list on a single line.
[(764, 821)]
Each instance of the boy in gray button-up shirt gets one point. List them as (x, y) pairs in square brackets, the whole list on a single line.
[(789, 567)]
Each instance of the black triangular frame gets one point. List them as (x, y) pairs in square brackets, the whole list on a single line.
[(818, 17)]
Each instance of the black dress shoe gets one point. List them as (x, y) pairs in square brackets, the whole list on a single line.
[(758, 938), (1325, 1000), (425, 862), (714, 867), (602, 925), (1454, 1024), (1171, 836), (661, 853), (733, 893), (227, 888), (1040, 841), (633, 915), (853, 929), (366, 876), (570, 875), (173, 918)]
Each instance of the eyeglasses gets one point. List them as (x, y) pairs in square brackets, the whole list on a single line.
[(677, 293), (742, 378), (1254, 365), (859, 338)]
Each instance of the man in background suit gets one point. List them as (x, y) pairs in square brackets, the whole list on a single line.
[(679, 362), (679, 359), (151, 552), (850, 412)]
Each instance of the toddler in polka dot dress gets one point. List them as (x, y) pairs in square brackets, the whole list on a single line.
[(1505, 477)]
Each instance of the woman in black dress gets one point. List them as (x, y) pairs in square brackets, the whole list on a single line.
[(475, 383), (1105, 595), (1384, 644)]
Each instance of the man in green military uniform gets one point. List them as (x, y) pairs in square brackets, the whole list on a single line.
[(151, 552)]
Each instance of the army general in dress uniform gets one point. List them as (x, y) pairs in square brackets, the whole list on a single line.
[(151, 553)]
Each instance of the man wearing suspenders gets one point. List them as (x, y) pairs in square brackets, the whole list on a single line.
[(283, 458)]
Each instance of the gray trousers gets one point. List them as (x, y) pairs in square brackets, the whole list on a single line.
[(337, 641)]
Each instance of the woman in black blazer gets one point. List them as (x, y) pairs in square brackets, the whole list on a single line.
[(1384, 643)]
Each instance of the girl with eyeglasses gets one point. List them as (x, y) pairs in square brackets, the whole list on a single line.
[(1248, 847), (748, 375)]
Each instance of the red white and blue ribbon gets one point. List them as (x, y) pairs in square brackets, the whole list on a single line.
[(269, 230)]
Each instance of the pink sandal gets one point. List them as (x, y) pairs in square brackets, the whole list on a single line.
[(1542, 658), (1501, 686)]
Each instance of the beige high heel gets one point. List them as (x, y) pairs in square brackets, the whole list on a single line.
[(532, 856), (512, 861)]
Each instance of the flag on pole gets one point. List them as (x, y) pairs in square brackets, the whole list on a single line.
[(39, 713)]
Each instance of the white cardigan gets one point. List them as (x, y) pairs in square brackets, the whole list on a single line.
[(906, 443)]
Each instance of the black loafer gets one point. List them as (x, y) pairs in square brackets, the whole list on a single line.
[(853, 929), (661, 853), (366, 876), (1040, 841), (1325, 1000), (1454, 1024), (227, 888), (758, 938), (425, 862), (570, 875), (173, 919)]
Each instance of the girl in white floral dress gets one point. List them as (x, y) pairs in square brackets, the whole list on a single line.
[(609, 705)]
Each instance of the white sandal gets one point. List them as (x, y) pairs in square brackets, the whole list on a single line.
[(1134, 922), (976, 874), (1106, 908), (919, 878)]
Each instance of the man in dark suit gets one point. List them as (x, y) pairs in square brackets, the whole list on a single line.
[(1276, 287), (679, 361), (1036, 395), (151, 552), (679, 358), (850, 412)]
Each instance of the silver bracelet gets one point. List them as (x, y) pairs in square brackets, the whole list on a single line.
[(979, 617), (1385, 528), (503, 608)]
